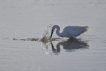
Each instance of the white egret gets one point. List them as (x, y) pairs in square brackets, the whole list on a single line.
[(69, 31)]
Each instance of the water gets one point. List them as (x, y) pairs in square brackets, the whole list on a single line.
[(23, 22)]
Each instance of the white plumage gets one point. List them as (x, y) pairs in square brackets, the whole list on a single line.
[(69, 31)]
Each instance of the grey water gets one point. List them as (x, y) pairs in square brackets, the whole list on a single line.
[(22, 23)]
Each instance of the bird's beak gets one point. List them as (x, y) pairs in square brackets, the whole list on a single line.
[(51, 33)]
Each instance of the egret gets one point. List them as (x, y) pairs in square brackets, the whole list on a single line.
[(69, 31)]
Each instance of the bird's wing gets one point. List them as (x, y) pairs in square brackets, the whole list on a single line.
[(75, 31)]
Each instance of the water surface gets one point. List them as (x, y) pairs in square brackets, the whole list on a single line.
[(23, 22)]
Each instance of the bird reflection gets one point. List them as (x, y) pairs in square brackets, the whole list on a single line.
[(68, 45)]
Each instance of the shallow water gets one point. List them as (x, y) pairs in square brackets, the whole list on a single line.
[(23, 22)]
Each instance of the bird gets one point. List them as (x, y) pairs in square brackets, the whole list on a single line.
[(69, 31)]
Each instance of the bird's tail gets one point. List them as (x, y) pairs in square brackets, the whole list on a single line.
[(85, 28)]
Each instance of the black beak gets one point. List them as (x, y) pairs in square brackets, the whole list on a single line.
[(51, 33)]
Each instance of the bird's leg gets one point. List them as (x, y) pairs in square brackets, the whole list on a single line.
[(72, 38)]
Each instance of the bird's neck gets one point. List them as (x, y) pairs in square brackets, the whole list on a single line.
[(58, 32)]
